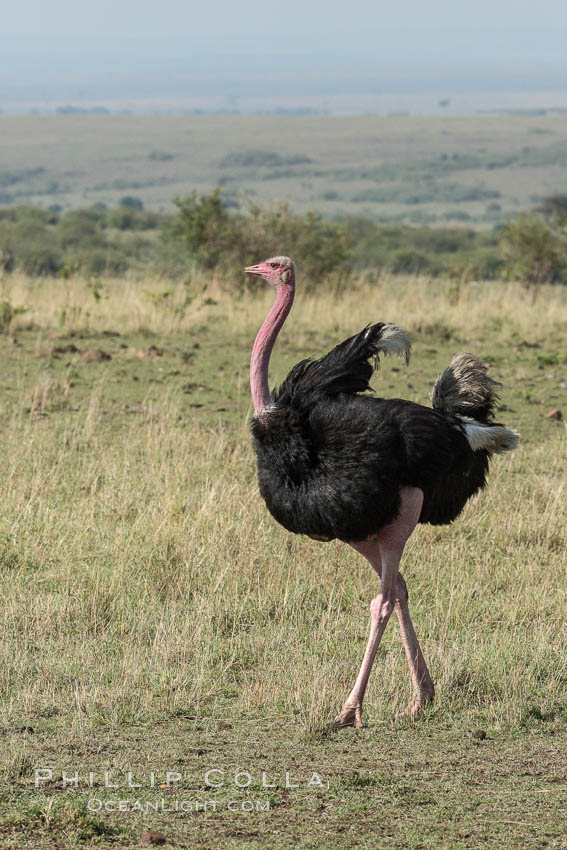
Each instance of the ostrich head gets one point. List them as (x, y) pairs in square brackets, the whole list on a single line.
[(279, 271)]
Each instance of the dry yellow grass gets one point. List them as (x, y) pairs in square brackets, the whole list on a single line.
[(425, 304)]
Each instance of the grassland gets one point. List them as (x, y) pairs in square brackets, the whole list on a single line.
[(155, 618), (480, 169)]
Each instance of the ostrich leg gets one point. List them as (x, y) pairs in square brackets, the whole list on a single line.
[(384, 551), (380, 609), (423, 690)]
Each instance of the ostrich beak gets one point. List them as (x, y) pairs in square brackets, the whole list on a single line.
[(258, 269)]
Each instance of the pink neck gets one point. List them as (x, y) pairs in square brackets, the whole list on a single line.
[(265, 342)]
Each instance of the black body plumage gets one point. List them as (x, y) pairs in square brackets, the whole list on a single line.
[(331, 461)]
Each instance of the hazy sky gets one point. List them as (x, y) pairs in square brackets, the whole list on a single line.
[(495, 31)]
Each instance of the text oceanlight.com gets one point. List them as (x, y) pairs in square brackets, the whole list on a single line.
[(163, 806)]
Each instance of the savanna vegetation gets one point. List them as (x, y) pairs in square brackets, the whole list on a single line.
[(472, 171), (207, 234), (155, 618)]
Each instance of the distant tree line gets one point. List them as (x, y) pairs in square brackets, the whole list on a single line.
[(206, 233)]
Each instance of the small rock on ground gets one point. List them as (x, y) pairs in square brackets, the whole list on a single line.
[(152, 837), (94, 355), (479, 735)]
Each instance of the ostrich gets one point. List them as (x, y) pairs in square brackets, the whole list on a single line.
[(335, 464)]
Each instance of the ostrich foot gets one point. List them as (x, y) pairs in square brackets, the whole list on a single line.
[(351, 715), (415, 707)]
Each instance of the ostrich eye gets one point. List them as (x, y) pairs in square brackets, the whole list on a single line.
[(273, 265)]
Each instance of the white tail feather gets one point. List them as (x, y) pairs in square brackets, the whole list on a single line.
[(492, 438), (395, 340)]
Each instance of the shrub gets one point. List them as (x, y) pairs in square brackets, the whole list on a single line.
[(102, 261), (80, 227), (202, 225), (160, 156), (9, 178), (213, 237), (554, 209), (483, 265), (261, 158), (40, 261), (532, 251), (406, 261), (320, 246), (129, 218), (131, 202), (27, 235), (457, 215), (427, 191), (7, 314)]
